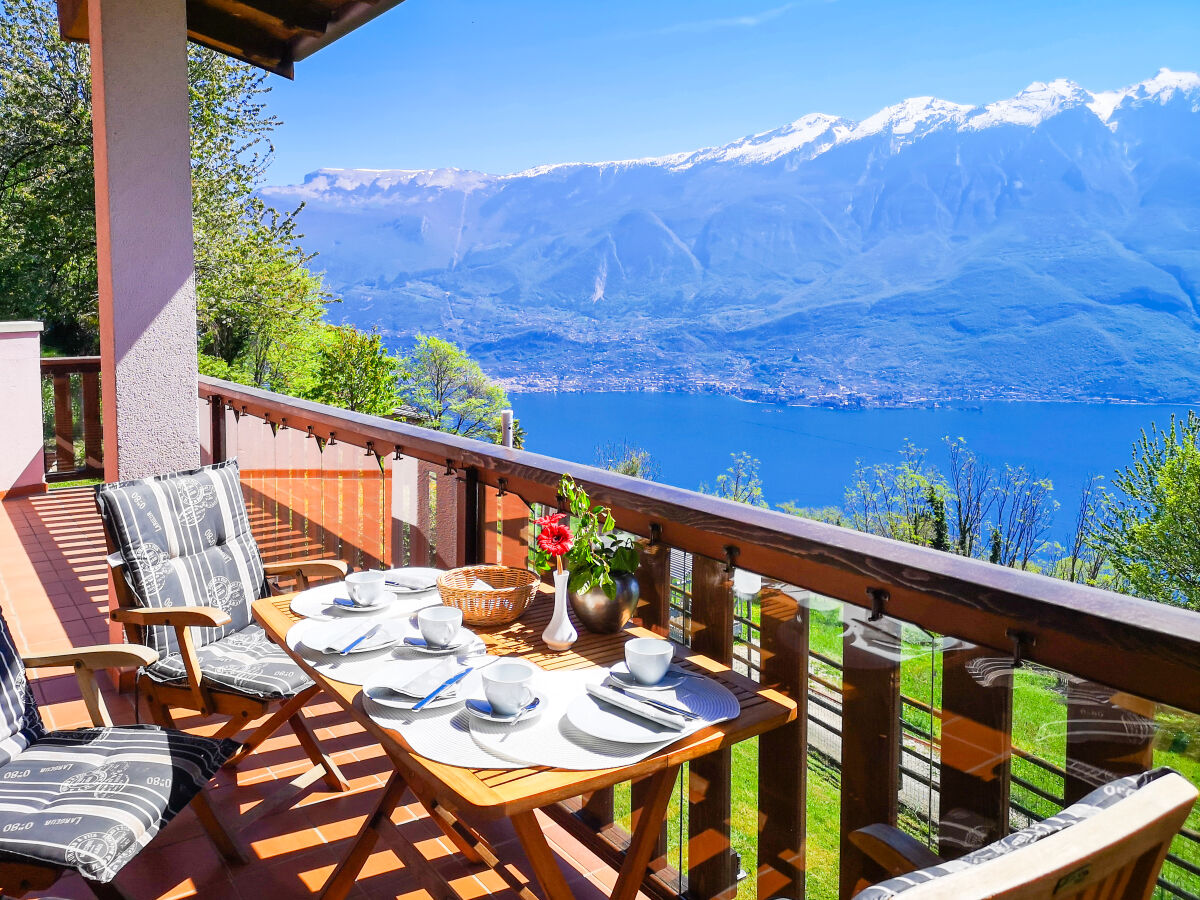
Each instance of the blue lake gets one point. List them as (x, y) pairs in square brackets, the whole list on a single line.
[(808, 453)]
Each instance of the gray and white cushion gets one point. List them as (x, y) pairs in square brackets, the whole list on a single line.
[(1101, 798), (247, 662), (186, 541), (90, 799), (20, 721)]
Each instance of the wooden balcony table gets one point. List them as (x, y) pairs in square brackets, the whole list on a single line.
[(453, 795)]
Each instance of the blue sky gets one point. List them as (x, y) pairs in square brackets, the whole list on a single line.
[(501, 86)]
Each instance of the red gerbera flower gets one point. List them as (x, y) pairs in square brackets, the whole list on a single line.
[(556, 539), (550, 519)]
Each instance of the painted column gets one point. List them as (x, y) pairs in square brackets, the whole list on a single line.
[(144, 236), (22, 465)]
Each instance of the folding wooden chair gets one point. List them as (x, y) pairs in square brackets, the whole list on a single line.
[(1108, 846), (186, 569), (89, 800)]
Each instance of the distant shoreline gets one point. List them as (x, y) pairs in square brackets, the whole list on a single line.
[(837, 401)]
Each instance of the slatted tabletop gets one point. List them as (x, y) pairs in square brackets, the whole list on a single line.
[(496, 793)]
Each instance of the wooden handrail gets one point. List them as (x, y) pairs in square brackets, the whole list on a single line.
[(69, 365), (1070, 627)]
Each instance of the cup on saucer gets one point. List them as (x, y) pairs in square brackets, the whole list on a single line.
[(648, 659), (508, 687), (365, 588), (439, 625)]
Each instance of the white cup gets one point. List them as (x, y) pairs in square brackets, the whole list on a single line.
[(507, 687), (439, 625), (365, 588), (648, 659)]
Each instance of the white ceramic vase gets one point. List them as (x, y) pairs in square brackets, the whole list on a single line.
[(560, 634)]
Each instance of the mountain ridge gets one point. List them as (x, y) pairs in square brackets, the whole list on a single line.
[(930, 251)]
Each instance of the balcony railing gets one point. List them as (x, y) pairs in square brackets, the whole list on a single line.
[(72, 428), (953, 696)]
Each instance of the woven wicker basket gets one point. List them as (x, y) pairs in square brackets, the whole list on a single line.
[(515, 589)]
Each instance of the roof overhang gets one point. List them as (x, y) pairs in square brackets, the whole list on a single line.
[(270, 34)]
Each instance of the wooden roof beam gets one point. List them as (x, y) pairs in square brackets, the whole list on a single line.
[(235, 36), (303, 16)]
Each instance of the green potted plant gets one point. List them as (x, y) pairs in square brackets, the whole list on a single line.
[(602, 561)]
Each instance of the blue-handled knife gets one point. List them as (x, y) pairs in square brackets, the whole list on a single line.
[(368, 633), (437, 691)]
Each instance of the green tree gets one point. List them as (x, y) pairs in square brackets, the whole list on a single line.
[(450, 392), (941, 529), (832, 515), (1150, 533), (254, 290), (623, 457), (892, 499), (355, 372), (47, 208), (740, 482)]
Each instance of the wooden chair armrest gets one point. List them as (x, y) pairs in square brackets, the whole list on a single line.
[(200, 616), (85, 661), (898, 853), (303, 569), (100, 656), (329, 567), (182, 619)]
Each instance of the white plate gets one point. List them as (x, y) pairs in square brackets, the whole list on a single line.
[(611, 724), (311, 633), (412, 573), (387, 696), (673, 679), (482, 710)]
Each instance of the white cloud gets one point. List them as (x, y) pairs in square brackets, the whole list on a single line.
[(750, 21)]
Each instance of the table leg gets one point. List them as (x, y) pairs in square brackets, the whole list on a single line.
[(344, 876), (541, 857), (645, 834)]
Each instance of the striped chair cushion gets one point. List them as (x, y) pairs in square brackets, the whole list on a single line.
[(20, 721), (90, 799), (185, 539), (1101, 798), (244, 663)]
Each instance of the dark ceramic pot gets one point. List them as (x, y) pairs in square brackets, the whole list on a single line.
[(602, 615)]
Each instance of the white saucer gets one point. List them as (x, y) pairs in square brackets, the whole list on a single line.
[(673, 679), (464, 639), (357, 608), (480, 709)]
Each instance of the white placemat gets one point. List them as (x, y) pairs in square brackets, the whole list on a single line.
[(551, 740), (317, 602), (439, 734), (359, 668)]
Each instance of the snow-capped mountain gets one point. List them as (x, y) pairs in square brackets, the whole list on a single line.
[(1047, 245)]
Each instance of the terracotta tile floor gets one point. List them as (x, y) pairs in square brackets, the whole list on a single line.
[(53, 592)]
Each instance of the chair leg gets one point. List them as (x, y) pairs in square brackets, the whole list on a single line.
[(227, 843), (260, 734), (160, 713), (334, 780)]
